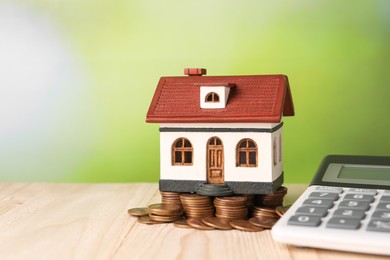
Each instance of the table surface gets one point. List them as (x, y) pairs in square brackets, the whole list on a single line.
[(90, 221)]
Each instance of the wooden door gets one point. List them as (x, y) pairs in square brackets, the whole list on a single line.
[(215, 161)]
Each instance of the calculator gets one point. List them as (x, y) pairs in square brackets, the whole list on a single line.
[(346, 207)]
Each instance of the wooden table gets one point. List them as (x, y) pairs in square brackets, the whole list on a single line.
[(90, 221)]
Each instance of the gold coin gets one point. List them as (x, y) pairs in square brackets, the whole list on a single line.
[(138, 212), (181, 223), (217, 223), (147, 220), (198, 224), (165, 209), (244, 225), (264, 222)]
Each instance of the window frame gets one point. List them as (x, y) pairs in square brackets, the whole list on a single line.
[(214, 98), (247, 150), (182, 150)]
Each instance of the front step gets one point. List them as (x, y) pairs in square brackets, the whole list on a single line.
[(207, 189)]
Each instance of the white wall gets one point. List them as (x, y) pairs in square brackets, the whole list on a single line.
[(278, 168), (262, 173)]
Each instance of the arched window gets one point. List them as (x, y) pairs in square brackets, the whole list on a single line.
[(246, 153), (212, 97), (182, 152)]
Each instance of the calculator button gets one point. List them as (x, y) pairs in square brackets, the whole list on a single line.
[(324, 195), (349, 213), (381, 215), (360, 197), (354, 204), (312, 211), (329, 189), (383, 206), (386, 192), (365, 191), (325, 203), (379, 225), (343, 223), (385, 198), (304, 220)]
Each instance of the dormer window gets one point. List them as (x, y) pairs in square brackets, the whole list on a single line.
[(212, 97)]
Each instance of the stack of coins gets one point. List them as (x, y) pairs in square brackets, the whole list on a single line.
[(165, 213), (197, 206), (230, 212), (233, 207), (170, 198), (264, 212), (273, 200)]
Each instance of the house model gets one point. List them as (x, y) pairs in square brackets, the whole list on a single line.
[(221, 135)]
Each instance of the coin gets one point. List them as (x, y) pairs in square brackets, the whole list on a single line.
[(233, 207), (165, 209), (165, 219), (138, 212), (181, 223), (147, 220), (281, 210), (170, 197), (264, 222), (197, 206), (272, 199), (198, 224), (244, 225), (232, 200), (263, 212), (217, 223)]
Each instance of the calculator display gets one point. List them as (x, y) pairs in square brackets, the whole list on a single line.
[(357, 174), (364, 172), (354, 171)]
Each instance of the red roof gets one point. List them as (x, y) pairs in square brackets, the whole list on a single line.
[(261, 98)]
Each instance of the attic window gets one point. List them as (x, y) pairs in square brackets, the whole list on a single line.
[(214, 94), (212, 97)]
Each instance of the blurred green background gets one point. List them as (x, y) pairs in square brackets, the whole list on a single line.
[(77, 78)]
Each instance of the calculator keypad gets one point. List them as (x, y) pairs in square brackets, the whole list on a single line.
[(349, 211), (305, 220), (324, 195), (359, 197), (323, 203), (385, 198), (379, 225), (383, 206), (312, 211), (354, 204), (344, 223)]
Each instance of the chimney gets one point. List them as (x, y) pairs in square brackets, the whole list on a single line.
[(194, 71)]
